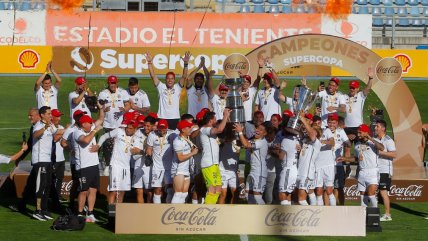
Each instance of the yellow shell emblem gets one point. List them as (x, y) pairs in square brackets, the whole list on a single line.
[(405, 61), (28, 59)]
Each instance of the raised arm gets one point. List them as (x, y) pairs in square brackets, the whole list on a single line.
[(58, 79), (369, 83), (185, 59), (312, 134), (85, 140), (239, 129), (220, 127), (41, 78), (151, 69), (209, 84), (256, 82), (17, 155)]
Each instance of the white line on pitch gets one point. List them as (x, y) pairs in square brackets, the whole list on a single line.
[(13, 128)]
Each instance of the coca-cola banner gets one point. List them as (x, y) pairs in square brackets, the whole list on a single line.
[(401, 190), (240, 219)]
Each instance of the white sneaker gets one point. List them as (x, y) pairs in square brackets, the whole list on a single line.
[(385, 218), (91, 219), (106, 171)]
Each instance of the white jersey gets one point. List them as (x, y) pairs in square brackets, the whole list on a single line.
[(121, 155), (326, 101), (268, 102), (68, 136), (197, 99), (59, 151), (229, 156), (210, 147), (81, 106), (258, 158), (367, 155), (83, 156), (340, 137), (289, 145), (291, 103), (4, 159), (218, 105), (169, 101), (248, 104), (385, 164), (354, 108), (47, 97), (308, 154), (181, 167), (140, 99), (326, 156), (139, 141), (113, 118), (42, 146), (162, 149)]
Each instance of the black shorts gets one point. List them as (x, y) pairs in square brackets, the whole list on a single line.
[(74, 173), (339, 177), (172, 123), (385, 181), (89, 178)]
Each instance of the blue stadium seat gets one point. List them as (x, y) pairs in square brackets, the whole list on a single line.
[(259, 8), (425, 11), (299, 8), (403, 22), (416, 16), (363, 10), (376, 11), (387, 2), (424, 2), (402, 12), (39, 6), (273, 1), (240, 1), (286, 9), (389, 11), (274, 9), (2, 6), (285, 1), (362, 2), (258, 1), (413, 2), (374, 2), (400, 2), (25, 5), (244, 9), (377, 22)]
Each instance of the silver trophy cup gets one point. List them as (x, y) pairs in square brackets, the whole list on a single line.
[(306, 98), (234, 100)]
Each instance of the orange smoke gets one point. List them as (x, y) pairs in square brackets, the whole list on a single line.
[(338, 9), (67, 4)]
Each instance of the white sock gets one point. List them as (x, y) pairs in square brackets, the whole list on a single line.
[(320, 202), (303, 202), (156, 198), (176, 198), (251, 199), (332, 199), (285, 202), (373, 201), (169, 194), (364, 200), (183, 197), (312, 199), (194, 201), (259, 199)]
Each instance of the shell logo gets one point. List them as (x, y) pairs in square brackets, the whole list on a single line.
[(405, 61), (28, 59)]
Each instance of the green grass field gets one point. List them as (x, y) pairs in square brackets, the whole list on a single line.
[(17, 97)]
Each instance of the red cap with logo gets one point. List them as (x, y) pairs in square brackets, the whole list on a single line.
[(364, 128), (309, 116), (56, 113), (333, 116), (78, 113), (200, 115), (128, 116), (223, 87), (247, 78), (112, 79), (141, 118), (354, 84), (80, 80), (162, 124), (183, 124), (288, 113), (85, 119), (134, 123), (335, 80)]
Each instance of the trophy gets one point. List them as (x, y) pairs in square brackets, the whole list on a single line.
[(305, 100), (234, 100)]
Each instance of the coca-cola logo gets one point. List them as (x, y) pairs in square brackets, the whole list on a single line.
[(351, 191), (235, 65), (301, 218), (409, 191), (389, 70), (66, 187), (199, 216)]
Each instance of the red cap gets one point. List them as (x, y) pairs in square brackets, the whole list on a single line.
[(288, 113), (309, 116), (134, 123), (247, 78), (56, 113), (364, 128), (354, 84), (128, 116), (268, 76), (154, 115), (80, 80), (277, 116), (112, 79), (223, 87), (78, 113), (335, 80), (333, 116), (183, 124), (85, 119), (200, 115), (162, 124), (141, 118)]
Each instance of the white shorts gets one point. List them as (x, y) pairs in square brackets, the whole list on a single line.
[(228, 179), (305, 183), (119, 179), (367, 177), (142, 177), (324, 177), (287, 179), (255, 183), (158, 178)]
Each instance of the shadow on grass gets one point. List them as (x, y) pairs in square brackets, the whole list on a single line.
[(408, 210)]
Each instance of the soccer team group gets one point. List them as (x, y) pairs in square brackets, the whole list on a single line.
[(166, 157)]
